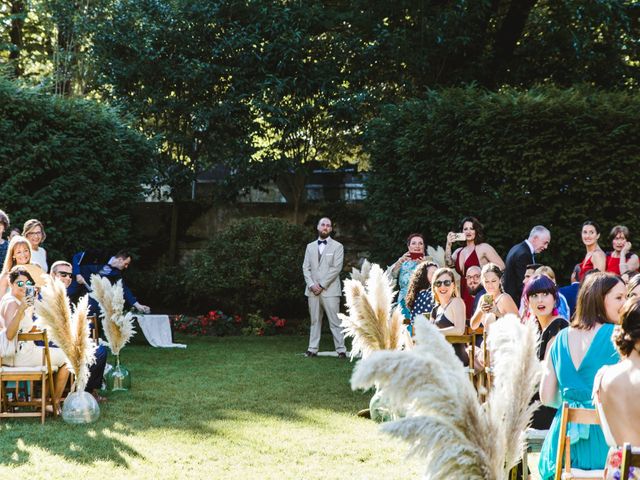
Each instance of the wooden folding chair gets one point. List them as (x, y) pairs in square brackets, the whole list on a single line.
[(630, 458), (468, 338), (95, 330), (584, 416), (25, 397)]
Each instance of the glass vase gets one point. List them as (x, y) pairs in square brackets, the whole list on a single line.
[(379, 408), (118, 378), (80, 407)]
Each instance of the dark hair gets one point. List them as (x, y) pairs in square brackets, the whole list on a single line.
[(590, 302), (124, 254), (633, 283), (593, 224), (18, 270), (541, 284), (628, 333), (419, 281), (619, 229), (477, 226), (4, 219), (414, 235), (534, 266)]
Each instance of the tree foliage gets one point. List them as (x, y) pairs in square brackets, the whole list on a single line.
[(512, 159), (73, 164)]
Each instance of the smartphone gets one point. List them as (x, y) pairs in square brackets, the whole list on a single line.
[(460, 237), (30, 293), (488, 298), (416, 255)]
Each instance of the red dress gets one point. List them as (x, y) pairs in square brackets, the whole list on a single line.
[(585, 266), (472, 261), (613, 263)]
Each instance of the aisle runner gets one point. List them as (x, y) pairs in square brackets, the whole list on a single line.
[(157, 330)]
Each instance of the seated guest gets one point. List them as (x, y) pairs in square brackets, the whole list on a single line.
[(33, 231), (495, 303), (62, 271), (617, 389), (4, 244), (528, 273), (562, 306), (474, 286), (570, 291), (19, 253), (112, 270), (595, 258), (542, 296), (448, 313), (575, 356), (404, 267), (16, 316), (474, 252), (419, 297), (633, 287), (621, 261), (14, 232)]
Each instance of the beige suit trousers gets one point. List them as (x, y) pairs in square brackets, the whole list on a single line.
[(319, 305)]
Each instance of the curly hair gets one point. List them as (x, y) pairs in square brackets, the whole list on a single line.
[(627, 334), (419, 281)]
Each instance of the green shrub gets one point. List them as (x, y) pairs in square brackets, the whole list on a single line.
[(254, 264), (73, 164), (512, 159)]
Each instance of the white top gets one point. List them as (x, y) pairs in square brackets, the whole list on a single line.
[(39, 257)]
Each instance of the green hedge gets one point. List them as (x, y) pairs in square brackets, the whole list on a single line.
[(254, 264), (513, 159), (73, 164)]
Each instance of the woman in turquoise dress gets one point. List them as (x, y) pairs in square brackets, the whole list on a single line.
[(575, 357), (405, 265)]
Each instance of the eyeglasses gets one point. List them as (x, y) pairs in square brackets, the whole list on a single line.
[(21, 283), (446, 283), (64, 274), (34, 234), (472, 277)]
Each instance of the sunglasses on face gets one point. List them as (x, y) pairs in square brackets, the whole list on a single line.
[(21, 284), (64, 274), (446, 283)]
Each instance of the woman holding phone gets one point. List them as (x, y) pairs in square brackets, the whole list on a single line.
[(16, 316), (495, 303), (621, 260), (403, 268), (475, 252)]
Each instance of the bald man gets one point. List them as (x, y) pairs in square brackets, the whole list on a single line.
[(474, 287)]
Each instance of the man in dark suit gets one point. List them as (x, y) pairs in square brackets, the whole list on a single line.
[(521, 255)]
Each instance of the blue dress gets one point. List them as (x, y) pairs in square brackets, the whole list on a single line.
[(404, 278), (588, 446)]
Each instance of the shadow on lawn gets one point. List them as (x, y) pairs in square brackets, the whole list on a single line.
[(77, 443), (200, 390)]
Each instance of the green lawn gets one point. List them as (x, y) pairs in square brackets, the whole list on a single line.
[(236, 408)]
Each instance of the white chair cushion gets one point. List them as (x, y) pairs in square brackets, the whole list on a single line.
[(14, 370), (578, 473)]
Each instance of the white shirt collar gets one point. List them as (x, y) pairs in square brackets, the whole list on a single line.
[(533, 250)]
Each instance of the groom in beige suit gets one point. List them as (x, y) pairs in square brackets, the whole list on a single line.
[(321, 269)]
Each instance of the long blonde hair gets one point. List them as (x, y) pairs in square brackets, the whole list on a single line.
[(9, 261)]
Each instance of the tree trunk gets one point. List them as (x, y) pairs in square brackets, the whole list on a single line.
[(293, 188), (18, 14)]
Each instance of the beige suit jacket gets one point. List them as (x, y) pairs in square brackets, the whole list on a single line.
[(326, 271)]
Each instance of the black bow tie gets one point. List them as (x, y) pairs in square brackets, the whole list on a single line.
[(322, 241)]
